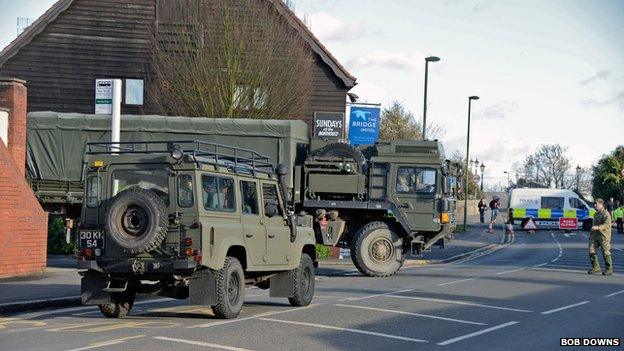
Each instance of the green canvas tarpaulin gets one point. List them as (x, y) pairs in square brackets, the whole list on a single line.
[(56, 141)]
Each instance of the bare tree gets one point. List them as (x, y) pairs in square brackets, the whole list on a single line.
[(227, 58), (397, 123), (549, 166)]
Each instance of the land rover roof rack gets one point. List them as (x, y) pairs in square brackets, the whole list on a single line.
[(235, 158)]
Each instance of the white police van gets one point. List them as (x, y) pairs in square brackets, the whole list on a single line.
[(546, 206)]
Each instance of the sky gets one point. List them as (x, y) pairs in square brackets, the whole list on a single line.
[(545, 71)]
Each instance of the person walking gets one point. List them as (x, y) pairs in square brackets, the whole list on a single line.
[(600, 237), (494, 204), (618, 217), (482, 208)]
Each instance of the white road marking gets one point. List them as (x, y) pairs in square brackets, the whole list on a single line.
[(454, 302), (615, 293), (201, 343), (357, 331), (540, 265), (555, 259), (585, 235), (616, 248), (376, 295), (107, 343), (511, 271), (565, 307), (463, 337), (264, 314), (458, 281), (411, 314)]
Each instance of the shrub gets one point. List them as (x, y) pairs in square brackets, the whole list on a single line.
[(322, 251), (56, 239)]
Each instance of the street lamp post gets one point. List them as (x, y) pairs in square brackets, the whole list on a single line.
[(508, 178), (424, 126), (578, 177), (467, 157), (482, 170)]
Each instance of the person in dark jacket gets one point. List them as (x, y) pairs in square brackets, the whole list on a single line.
[(482, 206), (610, 206)]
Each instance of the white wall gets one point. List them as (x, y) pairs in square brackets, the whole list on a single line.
[(4, 127)]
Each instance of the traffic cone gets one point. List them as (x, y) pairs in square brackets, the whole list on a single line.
[(490, 228)]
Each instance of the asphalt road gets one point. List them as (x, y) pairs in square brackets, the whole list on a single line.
[(525, 293)]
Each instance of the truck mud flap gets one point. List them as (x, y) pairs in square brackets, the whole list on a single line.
[(92, 287), (282, 285), (203, 288)]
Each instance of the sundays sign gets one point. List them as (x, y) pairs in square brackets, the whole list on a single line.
[(328, 125)]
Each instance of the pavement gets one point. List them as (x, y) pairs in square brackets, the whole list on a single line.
[(525, 292)]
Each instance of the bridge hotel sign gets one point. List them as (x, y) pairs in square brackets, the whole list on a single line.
[(364, 123), (328, 125)]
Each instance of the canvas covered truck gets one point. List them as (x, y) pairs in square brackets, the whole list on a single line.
[(381, 201)]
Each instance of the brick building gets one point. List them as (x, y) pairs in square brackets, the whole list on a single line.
[(23, 223)]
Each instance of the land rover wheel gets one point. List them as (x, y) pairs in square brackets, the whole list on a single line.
[(121, 306), (303, 282), (377, 250), (137, 220), (230, 289)]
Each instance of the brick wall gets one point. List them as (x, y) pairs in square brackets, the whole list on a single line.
[(23, 223)]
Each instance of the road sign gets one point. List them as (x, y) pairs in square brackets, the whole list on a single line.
[(103, 96), (568, 223), (528, 224), (476, 178), (364, 125)]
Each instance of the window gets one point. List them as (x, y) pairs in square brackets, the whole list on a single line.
[(552, 202), (576, 203), (412, 180), (185, 191), (156, 180), (134, 92), (271, 196), (218, 193), (249, 197), (92, 191)]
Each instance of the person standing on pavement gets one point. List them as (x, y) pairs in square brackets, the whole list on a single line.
[(600, 237), (618, 217), (494, 204), (610, 206), (482, 208)]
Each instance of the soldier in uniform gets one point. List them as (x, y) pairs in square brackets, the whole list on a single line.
[(600, 236)]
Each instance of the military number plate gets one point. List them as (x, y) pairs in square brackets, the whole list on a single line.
[(92, 238)]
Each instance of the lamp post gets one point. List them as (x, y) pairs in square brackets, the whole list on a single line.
[(508, 178), (482, 170), (424, 126), (467, 156), (578, 177), (476, 171)]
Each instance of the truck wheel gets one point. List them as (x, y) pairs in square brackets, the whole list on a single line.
[(377, 250), (137, 220), (303, 282), (343, 150), (230, 289), (121, 307), (587, 224)]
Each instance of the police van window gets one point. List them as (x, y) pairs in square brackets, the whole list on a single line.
[(576, 203), (218, 193), (185, 191), (270, 196), (552, 202), (249, 197), (93, 188), (412, 180)]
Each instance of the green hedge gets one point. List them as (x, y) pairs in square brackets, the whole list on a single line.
[(56, 239), (322, 252)]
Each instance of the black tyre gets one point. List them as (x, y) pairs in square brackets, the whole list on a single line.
[(230, 289), (137, 220), (587, 224), (343, 150), (121, 306), (303, 282), (377, 250)]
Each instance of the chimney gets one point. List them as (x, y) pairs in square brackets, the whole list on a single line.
[(13, 99)]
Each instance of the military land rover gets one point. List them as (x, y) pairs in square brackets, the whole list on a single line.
[(192, 220)]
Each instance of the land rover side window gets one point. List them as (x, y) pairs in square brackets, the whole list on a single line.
[(412, 180), (249, 197), (552, 202), (156, 180), (218, 193), (185, 191), (93, 188), (271, 196)]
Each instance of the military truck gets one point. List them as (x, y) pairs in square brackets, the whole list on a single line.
[(381, 201), (192, 220)]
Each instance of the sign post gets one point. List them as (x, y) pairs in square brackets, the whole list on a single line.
[(568, 223), (364, 123), (108, 102)]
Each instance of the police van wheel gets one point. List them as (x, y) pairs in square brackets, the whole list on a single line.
[(377, 250), (230, 289), (303, 282), (120, 308), (587, 225)]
